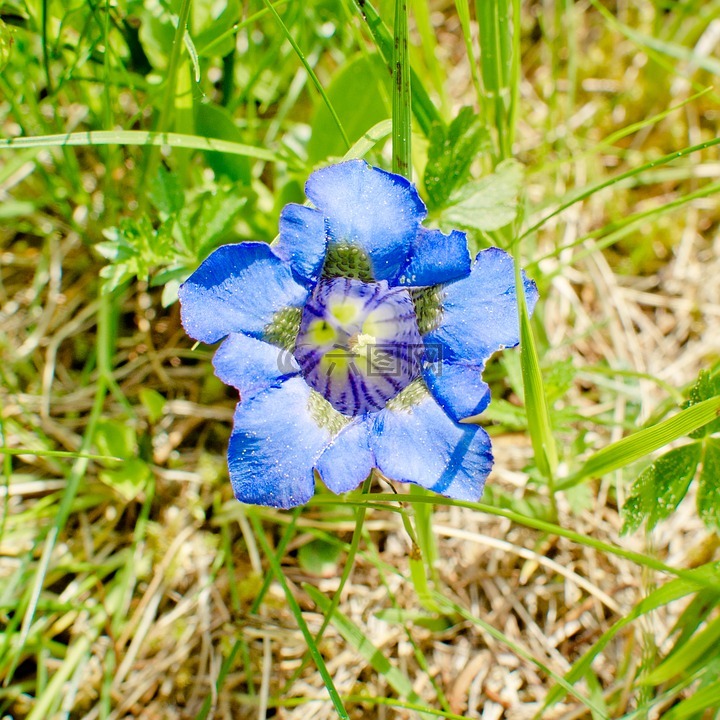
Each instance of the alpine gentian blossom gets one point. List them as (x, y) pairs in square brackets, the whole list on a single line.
[(357, 341)]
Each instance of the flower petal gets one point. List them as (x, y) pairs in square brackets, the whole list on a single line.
[(371, 208), (302, 240), (252, 366), (274, 446), (479, 312), (436, 258), (458, 387), (348, 460), (422, 445), (238, 288)]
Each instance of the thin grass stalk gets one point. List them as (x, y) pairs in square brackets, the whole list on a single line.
[(299, 619), (401, 110)]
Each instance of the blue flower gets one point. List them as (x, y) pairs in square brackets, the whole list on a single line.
[(357, 341)]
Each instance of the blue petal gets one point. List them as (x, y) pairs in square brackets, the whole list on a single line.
[(274, 446), (422, 445), (251, 365), (348, 460), (479, 312), (436, 258), (238, 288), (376, 210), (458, 387), (302, 240)]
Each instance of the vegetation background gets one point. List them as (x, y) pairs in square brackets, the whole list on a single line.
[(136, 137)]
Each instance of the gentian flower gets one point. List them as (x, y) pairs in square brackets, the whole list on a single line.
[(357, 341)]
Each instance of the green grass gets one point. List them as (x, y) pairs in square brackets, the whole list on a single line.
[(137, 137)]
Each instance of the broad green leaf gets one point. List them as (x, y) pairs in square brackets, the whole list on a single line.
[(166, 193), (212, 23), (129, 479), (214, 121), (643, 442), (487, 204), (320, 557), (660, 487), (360, 93), (708, 497), (116, 438), (153, 402), (706, 387), (450, 154), (703, 645)]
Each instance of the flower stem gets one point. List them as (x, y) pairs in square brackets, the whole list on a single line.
[(401, 113)]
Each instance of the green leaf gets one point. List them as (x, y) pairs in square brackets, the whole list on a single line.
[(209, 221), (487, 204), (451, 152), (660, 487), (360, 93), (319, 557), (706, 387), (166, 193), (116, 438), (212, 23), (153, 402), (129, 480), (214, 121), (708, 497)]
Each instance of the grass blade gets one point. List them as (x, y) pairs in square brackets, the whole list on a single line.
[(423, 108), (645, 441), (140, 137), (539, 423), (401, 114), (297, 613)]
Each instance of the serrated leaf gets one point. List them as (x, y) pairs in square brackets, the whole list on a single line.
[(660, 487), (487, 204), (450, 154), (208, 223), (706, 387), (708, 497)]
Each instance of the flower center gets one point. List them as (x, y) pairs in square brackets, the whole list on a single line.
[(358, 344)]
